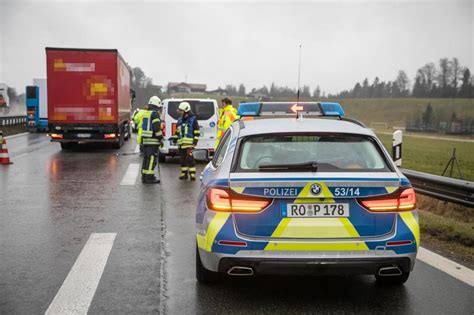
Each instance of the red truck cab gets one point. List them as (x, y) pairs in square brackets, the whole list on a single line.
[(88, 96)]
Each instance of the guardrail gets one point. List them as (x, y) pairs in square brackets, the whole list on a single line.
[(442, 188), (12, 120)]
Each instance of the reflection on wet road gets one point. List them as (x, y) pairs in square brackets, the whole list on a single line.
[(52, 201)]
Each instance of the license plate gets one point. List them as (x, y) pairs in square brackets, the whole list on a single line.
[(316, 210), (83, 135)]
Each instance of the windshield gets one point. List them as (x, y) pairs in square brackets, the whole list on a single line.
[(331, 152), (202, 109)]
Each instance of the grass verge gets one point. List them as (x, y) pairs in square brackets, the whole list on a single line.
[(447, 229)]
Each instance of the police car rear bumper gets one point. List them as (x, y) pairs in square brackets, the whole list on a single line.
[(303, 263)]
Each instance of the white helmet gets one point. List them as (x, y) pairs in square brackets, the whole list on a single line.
[(184, 106), (155, 100)]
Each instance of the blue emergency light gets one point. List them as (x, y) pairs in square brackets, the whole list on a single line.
[(331, 109), (249, 109), (287, 108)]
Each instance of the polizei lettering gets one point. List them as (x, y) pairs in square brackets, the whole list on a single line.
[(282, 191)]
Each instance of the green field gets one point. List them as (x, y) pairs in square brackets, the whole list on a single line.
[(390, 111), (396, 111), (432, 155)]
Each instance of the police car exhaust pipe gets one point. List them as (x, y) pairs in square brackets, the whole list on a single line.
[(240, 271), (389, 271)]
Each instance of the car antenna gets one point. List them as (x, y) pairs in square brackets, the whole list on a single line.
[(299, 76)]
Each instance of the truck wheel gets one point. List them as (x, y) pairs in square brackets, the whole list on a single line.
[(119, 144), (161, 158), (128, 132)]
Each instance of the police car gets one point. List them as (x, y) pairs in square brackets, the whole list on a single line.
[(305, 193)]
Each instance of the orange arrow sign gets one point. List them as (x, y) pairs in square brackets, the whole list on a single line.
[(295, 108)]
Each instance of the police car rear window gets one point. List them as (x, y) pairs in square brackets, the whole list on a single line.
[(327, 152), (202, 109)]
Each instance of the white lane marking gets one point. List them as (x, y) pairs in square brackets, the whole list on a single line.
[(450, 267), (77, 291), (137, 149), (17, 135), (131, 174)]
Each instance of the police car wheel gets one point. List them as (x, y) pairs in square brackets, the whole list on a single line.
[(393, 280), (202, 274)]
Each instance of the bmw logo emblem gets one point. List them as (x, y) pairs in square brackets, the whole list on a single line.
[(315, 189)]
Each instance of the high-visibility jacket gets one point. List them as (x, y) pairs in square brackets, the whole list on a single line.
[(227, 116), (137, 119), (187, 131), (151, 128)]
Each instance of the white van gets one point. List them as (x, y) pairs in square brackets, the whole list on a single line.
[(206, 111)]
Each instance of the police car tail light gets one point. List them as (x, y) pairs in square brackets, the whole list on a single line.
[(221, 199), (404, 202)]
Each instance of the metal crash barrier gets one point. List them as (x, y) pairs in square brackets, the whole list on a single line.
[(442, 188), (12, 120)]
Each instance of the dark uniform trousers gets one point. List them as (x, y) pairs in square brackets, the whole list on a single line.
[(186, 159), (150, 160)]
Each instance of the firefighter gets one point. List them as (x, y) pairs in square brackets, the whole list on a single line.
[(137, 119), (227, 115), (151, 139), (187, 132)]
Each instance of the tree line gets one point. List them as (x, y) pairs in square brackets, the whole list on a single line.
[(448, 79)]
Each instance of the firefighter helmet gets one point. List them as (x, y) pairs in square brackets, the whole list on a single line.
[(155, 100), (184, 106)]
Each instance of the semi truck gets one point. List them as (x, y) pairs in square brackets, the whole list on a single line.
[(89, 96), (4, 100), (37, 106)]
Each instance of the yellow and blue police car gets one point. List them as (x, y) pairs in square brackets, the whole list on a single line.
[(305, 193)]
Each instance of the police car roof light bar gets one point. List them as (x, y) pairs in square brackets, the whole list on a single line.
[(287, 108)]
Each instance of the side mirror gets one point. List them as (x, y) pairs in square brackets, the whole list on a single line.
[(201, 155)]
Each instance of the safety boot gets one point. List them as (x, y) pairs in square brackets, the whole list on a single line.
[(151, 179), (192, 176), (183, 176)]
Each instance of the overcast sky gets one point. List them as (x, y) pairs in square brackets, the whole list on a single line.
[(254, 43)]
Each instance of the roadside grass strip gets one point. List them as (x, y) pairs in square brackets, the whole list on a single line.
[(453, 269), (131, 174), (78, 289)]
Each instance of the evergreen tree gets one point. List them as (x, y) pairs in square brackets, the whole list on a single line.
[(241, 91), (466, 87)]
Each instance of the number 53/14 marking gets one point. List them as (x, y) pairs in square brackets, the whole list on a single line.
[(346, 191)]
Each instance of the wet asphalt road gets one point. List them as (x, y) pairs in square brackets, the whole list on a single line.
[(51, 201)]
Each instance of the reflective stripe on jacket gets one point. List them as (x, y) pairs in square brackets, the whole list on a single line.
[(151, 128), (187, 131), (227, 116)]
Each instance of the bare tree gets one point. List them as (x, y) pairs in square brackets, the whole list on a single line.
[(457, 73), (403, 83)]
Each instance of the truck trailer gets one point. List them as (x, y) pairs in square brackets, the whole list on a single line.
[(37, 106), (88, 96)]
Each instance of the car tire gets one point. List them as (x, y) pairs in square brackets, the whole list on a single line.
[(202, 274), (393, 280)]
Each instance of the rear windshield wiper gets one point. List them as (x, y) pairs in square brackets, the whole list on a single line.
[(312, 165)]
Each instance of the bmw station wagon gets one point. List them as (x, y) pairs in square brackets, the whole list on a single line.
[(305, 192)]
